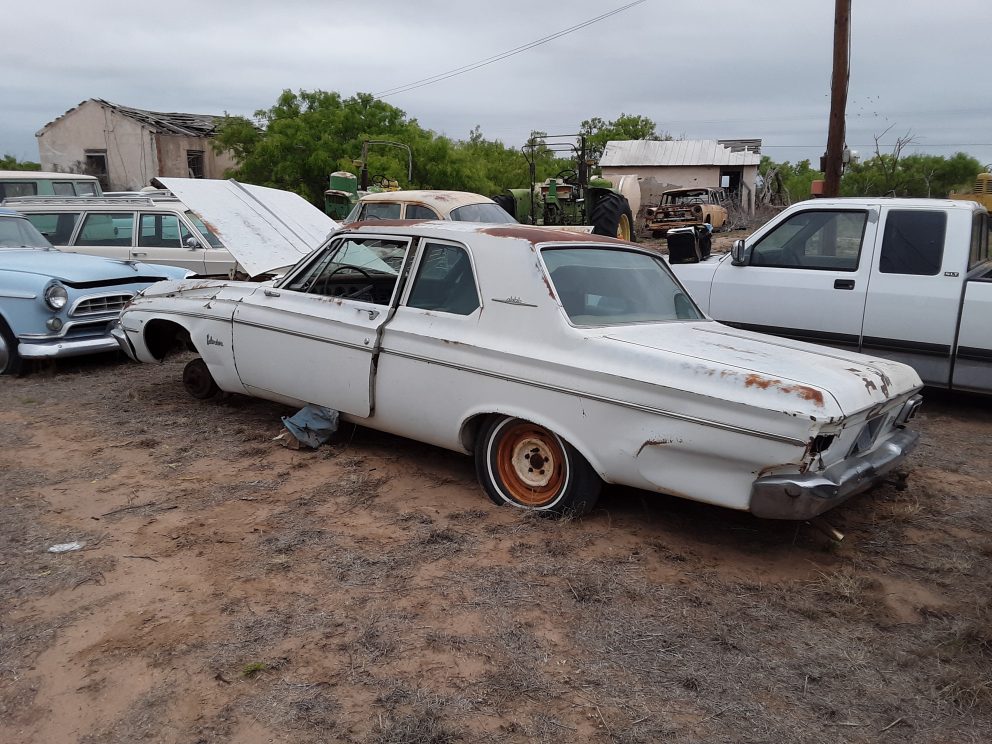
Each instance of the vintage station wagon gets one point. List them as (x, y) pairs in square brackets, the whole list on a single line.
[(560, 360)]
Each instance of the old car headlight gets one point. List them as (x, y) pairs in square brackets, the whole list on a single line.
[(56, 296)]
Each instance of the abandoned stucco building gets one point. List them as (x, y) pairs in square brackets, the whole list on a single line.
[(126, 147), (685, 163)]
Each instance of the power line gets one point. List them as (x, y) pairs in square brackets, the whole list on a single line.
[(502, 55)]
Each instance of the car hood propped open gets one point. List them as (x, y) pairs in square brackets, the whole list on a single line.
[(263, 228)]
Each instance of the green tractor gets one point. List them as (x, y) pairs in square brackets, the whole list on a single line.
[(345, 189), (572, 197)]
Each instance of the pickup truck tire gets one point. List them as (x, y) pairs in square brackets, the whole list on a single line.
[(198, 381), (525, 465), (11, 362), (611, 216)]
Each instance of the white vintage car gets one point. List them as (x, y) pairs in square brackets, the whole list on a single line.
[(560, 360)]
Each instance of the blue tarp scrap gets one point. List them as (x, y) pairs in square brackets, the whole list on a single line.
[(312, 425)]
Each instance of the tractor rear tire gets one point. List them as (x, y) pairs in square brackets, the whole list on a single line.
[(611, 216), (508, 203)]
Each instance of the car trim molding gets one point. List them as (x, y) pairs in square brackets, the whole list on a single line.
[(601, 398), (299, 334)]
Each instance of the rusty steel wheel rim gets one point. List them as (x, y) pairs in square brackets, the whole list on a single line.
[(531, 464)]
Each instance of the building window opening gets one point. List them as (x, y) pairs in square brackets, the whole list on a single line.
[(96, 165), (194, 163)]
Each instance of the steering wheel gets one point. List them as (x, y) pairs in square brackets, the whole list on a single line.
[(569, 175), (324, 281), (381, 181)]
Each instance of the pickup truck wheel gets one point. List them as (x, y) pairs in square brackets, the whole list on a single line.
[(198, 381), (525, 465), (11, 362)]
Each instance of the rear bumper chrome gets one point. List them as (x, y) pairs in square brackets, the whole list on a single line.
[(810, 494)]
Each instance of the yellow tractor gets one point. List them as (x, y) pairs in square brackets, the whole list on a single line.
[(981, 193)]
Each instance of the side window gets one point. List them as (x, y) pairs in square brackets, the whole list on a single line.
[(85, 188), (979, 240), (18, 188), (913, 242), (827, 241), (445, 282), (420, 212), (63, 188), (106, 229), (57, 226), (354, 268), (380, 211), (159, 231)]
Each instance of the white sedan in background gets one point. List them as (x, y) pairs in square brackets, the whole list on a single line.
[(559, 360)]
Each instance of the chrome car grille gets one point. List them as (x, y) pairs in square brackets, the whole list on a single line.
[(100, 305)]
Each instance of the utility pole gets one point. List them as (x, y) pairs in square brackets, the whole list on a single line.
[(833, 161)]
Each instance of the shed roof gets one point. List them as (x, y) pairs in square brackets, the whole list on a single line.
[(674, 152), (190, 125)]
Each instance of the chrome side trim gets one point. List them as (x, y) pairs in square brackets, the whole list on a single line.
[(603, 399), (300, 334)]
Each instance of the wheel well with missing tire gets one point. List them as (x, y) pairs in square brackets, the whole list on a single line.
[(470, 428), (163, 337)]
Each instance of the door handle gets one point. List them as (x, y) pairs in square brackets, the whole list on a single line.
[(843, 284), (271, 293), (136, 253), (373, 314)]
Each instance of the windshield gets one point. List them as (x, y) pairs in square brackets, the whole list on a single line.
[(485, 212), (204, 230), (17, 232), (607, 286)]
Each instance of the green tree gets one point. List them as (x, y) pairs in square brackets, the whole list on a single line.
[(625, 127), (918, 175), (10, 162), (785, 183)]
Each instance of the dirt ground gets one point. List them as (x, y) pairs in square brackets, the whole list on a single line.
[(231, 590)]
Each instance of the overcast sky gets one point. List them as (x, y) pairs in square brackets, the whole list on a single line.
[(719, 69)]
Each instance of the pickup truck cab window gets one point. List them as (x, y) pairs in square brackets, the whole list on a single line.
[(913, 242), (606, 286), (816, 239), (979, 240), (445, 281), (355, 268)]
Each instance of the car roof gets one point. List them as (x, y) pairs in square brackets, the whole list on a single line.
[(443, 199), (446, 229), (32, 175), (7, 212)]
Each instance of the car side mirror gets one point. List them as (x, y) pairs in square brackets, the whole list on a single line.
[(739, 253), (192, 243)]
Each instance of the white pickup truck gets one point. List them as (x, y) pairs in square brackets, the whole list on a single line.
[(905, 279)]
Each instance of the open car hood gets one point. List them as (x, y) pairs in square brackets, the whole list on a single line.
[(263, 228)]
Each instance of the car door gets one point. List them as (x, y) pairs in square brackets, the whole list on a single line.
[(806, 279), (163, 239), (314, 337), (912, 310), (107, 234)]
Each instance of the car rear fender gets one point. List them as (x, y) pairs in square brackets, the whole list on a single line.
[(475, 420)]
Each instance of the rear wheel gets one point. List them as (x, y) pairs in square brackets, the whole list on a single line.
[(611, 216), (198, 381), (525, 465), (11, 362)]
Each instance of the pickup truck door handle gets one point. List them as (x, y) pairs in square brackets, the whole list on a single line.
[(843, 284)]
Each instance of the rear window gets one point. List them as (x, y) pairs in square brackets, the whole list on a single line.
[(57, 227), (603, 286), (492, 213), (913, 242)]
